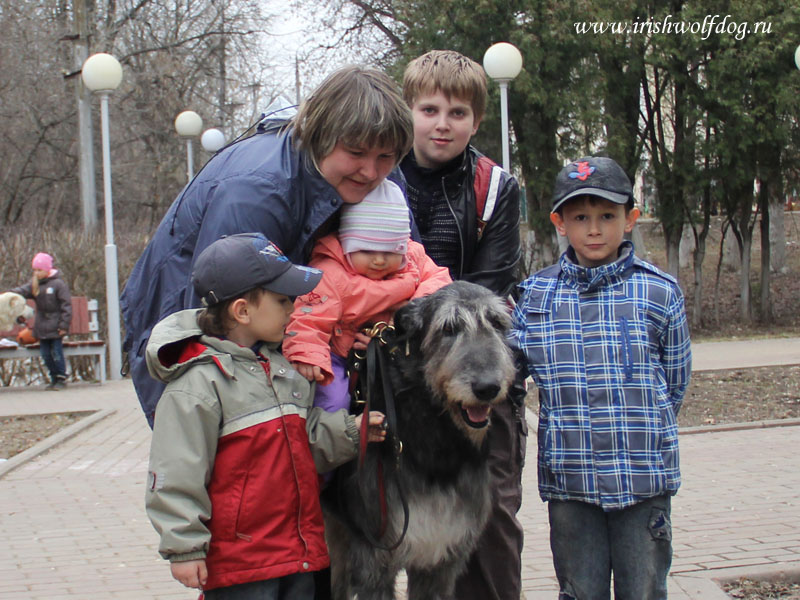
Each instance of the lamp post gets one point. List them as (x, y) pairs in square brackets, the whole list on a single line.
[(102, 73), (212, 140), (503, 62), (188, 124)]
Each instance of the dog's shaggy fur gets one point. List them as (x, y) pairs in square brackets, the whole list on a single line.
[(451, 363)]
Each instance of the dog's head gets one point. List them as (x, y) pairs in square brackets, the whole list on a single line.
[(459, 333), (14, 310)]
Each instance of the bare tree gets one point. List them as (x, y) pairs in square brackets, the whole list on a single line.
[(338, 32), (37, 173), (210, 56)]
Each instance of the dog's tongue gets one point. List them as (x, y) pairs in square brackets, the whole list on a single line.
[(477, 414)]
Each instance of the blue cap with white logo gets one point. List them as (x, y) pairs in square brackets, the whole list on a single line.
[(236, 264)]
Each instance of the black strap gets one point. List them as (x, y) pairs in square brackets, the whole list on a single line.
[(377, 367)]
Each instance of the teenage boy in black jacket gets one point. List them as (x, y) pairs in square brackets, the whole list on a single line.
[(447, 95)]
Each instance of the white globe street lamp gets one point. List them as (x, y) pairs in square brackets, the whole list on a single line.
[(102, 73), (188, 124), (503, 62), (797, 57), (212, 140)]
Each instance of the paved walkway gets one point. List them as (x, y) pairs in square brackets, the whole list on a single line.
[(747, 353), (73, 522)]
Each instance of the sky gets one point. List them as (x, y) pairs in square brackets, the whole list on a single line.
[(302, 35), (299, 36)]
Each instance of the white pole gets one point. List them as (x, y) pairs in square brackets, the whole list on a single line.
[(504, 123), (112, 279), (189, 160)]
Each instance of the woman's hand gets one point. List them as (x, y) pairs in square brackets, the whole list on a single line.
[(376, 431), (191, 573), (310, 372)]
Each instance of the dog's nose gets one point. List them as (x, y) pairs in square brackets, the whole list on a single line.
[(485, 390)]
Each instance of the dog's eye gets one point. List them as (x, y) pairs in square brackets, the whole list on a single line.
[(448, 329)]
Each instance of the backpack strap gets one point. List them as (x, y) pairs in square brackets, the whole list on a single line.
[(487, 189)]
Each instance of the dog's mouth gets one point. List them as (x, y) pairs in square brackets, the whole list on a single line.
[(476, 417)]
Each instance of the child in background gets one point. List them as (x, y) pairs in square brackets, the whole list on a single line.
[(53, 315), (607, 343), (233, 488), (370, 268)]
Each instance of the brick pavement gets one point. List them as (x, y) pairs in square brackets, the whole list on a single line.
[(73, 519), (74, 524)]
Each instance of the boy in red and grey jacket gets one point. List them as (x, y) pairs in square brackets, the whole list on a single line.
[(233, 488)]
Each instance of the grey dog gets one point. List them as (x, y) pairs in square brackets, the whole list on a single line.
[(450, 363)]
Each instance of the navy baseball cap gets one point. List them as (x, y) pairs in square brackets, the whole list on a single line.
[(592, 176), (236, 264)]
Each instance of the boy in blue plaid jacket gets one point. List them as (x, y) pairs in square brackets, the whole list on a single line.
[(606, 341)]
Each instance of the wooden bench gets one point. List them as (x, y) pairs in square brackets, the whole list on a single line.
[(83, 338)]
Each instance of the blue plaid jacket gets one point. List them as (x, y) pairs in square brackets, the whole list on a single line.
[(609, 350)]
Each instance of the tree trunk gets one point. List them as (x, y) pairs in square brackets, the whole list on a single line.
[(745, 306), (744, 238), (672, 241), (777, 233), (697, 299), (766, 298), (222, 92), (731, 256), (82, 10), (699, 239), (724, 237), (687, 246), (638, 241)]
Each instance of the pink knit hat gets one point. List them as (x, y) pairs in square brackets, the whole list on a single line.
[(42, 261), (380, 222)]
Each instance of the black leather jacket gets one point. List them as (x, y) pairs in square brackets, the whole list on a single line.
[(492, 262)]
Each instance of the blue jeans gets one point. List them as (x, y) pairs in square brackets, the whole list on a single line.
[(589, 544), (52, 352), (299, 586)]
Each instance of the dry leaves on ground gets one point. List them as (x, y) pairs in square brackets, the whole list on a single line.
[(748, 589), (19, 433), (741, 396)]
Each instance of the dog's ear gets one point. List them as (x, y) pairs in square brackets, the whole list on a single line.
[(408, 320), (15, 302)]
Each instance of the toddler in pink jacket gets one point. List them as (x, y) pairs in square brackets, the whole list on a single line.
[(370, 268)]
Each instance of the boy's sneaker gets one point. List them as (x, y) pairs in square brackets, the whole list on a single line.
[(52, 387), (60, 384)]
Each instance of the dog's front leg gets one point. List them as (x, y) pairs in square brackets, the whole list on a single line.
[(437, 583), (371, 579), (383, 592)]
